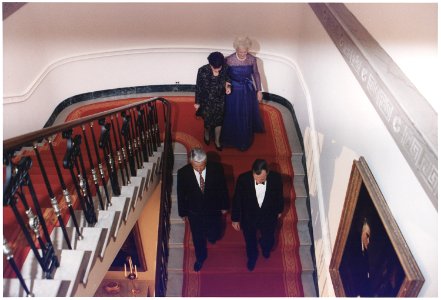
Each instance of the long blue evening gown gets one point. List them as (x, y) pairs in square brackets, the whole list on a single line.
[(242, 117)]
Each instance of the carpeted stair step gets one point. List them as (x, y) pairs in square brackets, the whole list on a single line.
[(302, 209), (304, 234), (308, 285), (177, 231), (300, 189), (176, 258), (174, 214), (297, 163), (306, 259), (174, 283)]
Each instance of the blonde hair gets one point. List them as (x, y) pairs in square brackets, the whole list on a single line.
[(242, 42)]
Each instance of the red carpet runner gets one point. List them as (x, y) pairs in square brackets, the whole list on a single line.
[(224, 272)]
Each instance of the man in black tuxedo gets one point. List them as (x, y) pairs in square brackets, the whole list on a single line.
[(202, 199), (257, 206)]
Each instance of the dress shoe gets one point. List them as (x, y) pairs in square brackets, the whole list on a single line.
[(198, 265), (251, 264), (207, 141), (218, 148)]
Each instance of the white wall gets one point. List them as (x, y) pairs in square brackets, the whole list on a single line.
[(55, 51), (342, 126), (48, 47), (409, 33)]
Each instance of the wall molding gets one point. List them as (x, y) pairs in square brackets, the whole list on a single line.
[(407, 115), (33, 86)]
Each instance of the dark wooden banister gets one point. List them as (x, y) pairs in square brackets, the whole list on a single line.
[(26, 139)]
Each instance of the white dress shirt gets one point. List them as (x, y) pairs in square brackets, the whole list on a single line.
[(260, 193), (196, 173)]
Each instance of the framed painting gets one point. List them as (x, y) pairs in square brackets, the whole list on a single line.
[(370, 256), (132, 247)]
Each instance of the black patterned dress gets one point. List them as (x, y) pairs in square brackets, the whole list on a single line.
[(210, 95)]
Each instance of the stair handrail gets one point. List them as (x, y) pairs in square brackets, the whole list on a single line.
[(165, 164), (27, 138)]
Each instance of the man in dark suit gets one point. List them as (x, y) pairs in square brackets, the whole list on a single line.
[(257, 206), (202, 199)]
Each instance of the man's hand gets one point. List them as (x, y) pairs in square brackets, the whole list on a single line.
[(236, 225), (196, 106), (224, 211), (279, 215)]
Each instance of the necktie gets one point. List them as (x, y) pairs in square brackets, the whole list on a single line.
[(201, 182)]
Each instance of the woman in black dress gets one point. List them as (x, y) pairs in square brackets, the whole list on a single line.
[(212, 84)]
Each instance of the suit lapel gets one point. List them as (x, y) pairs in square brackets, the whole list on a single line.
[(253, 191), (193, 176)]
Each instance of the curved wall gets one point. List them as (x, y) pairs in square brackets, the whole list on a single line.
[(125, 69), (55, 51)]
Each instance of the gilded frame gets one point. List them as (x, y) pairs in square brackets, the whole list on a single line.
[(393, 270)]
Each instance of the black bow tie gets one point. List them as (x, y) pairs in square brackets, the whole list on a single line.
[(262, 183)]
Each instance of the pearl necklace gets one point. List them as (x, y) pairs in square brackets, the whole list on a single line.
[(243, 59)]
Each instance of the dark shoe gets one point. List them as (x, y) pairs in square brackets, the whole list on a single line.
[(218, 148), (198, 265), (207, 141), (251, 264), (266, 254)]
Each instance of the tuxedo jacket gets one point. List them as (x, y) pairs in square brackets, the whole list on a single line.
[(191, 200), (245, 206)]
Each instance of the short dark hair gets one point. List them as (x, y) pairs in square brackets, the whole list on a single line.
[(259, 165), (216, 59)]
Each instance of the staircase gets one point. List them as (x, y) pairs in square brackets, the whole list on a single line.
[(175, 264), (72, 259), (92, 255)]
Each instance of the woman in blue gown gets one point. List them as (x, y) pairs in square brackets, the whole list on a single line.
[(242, 117)]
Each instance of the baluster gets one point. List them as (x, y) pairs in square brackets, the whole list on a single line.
[(92, 169), (123, 150), (156, 125), (14, 181), (10, 258), (70, 162), (118, 153), (82, 174), (140, 124), (125, 131), (132, 127), (48, 260), (151, 119), (52, 197), (147, 130), (65, 191), (137, 138), (106, 145), (100, 165)]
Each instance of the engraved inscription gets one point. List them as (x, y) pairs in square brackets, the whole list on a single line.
[(409, 139)]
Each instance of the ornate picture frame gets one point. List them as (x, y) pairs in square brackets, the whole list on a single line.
[(370, 256)]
